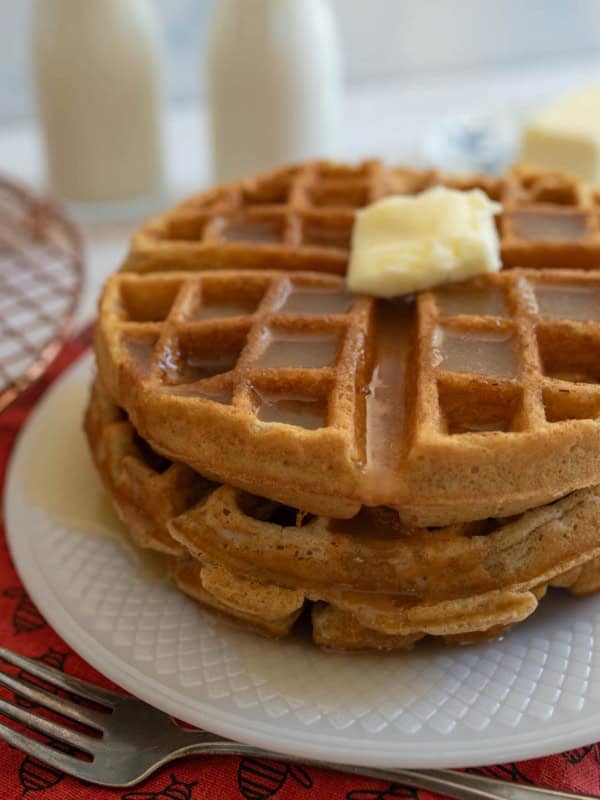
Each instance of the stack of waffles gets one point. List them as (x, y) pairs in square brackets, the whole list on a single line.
[(387, 469)]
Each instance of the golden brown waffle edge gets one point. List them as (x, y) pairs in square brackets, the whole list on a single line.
[(301, 217), (478, 581), (475, 400)]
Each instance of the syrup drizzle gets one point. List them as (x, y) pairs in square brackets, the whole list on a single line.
[(385, 401), (307, 413), (307, 351), (317, 301), (568, 302), (487, 301), (482, 353)]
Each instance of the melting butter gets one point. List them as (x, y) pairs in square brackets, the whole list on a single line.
[(403, 244)]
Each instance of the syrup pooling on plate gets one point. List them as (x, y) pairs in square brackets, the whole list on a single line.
[(484, 353), (547, 227), (308, 351), (302, 412), (568, 302), (385, 400)]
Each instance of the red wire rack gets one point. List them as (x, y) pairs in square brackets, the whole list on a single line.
[(41, 276)]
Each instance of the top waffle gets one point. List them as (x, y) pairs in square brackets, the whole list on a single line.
[(470, 401), (301, 218)]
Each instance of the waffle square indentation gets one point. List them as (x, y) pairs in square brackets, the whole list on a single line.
[(567, 301), (550, 226), (481, 352), (236, 307), (548, 189), (254, 228), (192, 357), (297, 349), (325, 232), (222, 298), (268, 192), (309, 413), (479, 409), (187, 225), (568, 354), (340, 194), (484, 300), (148, 300), (318, 301), (562, 404)]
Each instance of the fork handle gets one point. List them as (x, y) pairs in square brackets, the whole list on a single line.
[(505, 789), (467, 786), (458, 785)]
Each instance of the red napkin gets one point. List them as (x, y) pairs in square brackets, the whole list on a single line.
[(23, 629)]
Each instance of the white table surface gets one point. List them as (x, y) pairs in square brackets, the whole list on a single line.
[(384, 118)]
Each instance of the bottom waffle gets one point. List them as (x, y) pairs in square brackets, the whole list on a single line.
[(368, 583)]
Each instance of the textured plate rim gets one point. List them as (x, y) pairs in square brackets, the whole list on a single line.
[(464, 752)]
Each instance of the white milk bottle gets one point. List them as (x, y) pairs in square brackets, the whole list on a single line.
[(273, 77), (98, 75)]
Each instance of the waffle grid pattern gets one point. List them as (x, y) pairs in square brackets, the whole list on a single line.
[(311, 207), (302, 218), (255, 343), (376, 393), (548, 220), (532, 341)]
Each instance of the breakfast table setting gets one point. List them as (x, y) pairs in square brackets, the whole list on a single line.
[(187, 291)]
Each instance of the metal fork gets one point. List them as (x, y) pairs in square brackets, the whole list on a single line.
[(126, 739)]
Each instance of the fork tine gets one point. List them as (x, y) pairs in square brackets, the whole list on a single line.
[(47, 726), (71, 684), (49, 755), (39, 696)]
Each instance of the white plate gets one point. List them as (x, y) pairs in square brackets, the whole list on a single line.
[(536, 692)]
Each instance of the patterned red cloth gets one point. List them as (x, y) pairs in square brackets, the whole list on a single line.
[(23, 629)]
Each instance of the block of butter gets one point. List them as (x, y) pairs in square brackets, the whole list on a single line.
[(566, 135), (406, 243)]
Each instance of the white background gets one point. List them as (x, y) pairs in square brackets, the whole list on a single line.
[(383, 39)]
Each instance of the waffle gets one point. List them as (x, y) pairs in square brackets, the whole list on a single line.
[(471, 401), (368, 583), (300, 218), (146, 489)]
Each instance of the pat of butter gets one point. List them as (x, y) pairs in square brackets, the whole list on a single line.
[(565, 135), (406, 243)]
